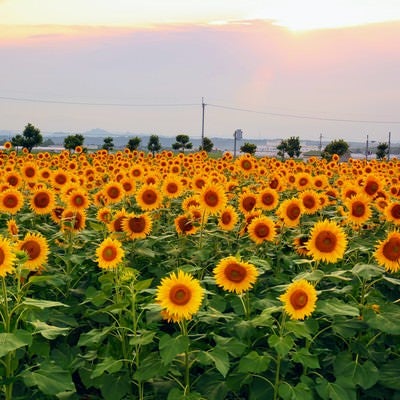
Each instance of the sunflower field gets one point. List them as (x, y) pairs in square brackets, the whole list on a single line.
[(180, 276)]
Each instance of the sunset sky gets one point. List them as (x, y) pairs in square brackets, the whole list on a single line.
[(274, 68)]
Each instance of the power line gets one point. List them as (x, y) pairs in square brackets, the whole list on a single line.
[(81, 103), (302, 116)]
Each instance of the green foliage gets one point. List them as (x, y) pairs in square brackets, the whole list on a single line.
[(30, 138), (73, 141), (182, 143), (154, 145), (207, 145), (290, 146), (108, 143), (339, 147), (249, 148), (382, 150), (133, 143)]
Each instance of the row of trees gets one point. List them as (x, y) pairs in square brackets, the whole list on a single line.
[(31, 137)]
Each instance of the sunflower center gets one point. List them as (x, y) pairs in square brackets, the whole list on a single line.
[(149, 196), (180, 295), (303, 181), (118, 224), (78, 200), (358, 209), (2, 256), (226, 218), (109, 253), (309, 202), (211, 198), (298, 299), (262, 230), (32, 248), (235, 272), (246, 165), (127, 186), (325, 242), (42, 200), (113, 192), (137, 224), (12, 180), (249, 203), (185, 225), (391, 249), (293, 211), (10, 201), (61, 179), (172, 187), (274, 183), (30, 172), (395, 211), (371, 187), (267, 199)]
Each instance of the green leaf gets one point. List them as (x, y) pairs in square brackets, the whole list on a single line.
[(176, 394), (42, 304), (335, 306), (142, 338), (49, 378), (109, 364), (312, 276), (386, 320), (232, 345), (170, 347), (389, 374), (394, 281), (334, 391), (304, 357), (299, 392), (48, 331), (367, 271), (282, 345), (254, 363), (143, 285), (13, 341), (347, 327), (150, 367), (299, 328), (220, 359), (261, 263), (115, 387)]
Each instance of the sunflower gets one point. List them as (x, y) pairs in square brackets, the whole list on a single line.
[(261, 229), (303, 180), (234, 275), (300, 245), (56, 214), (228, 218), (327, 241), (11, 201), (180, 295), (268, 199), (59, 178), (78, 199), (392, 212), (359, 210), (116, 223), (29, 171), (104, 215), (372, 184), (388, 252), (191, 201), (7, 257), (36, 248), (247, 202), (184, 225), (212, 198), (12, 227), (310, 201), (290, 212), (73, 220), (110, 253), (42, 201), (172, 187), (137, 226), (13, 179), (299, 299), (149, 198), (113, 192)]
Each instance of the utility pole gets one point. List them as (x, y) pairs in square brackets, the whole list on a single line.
[(203, 106), (320, 144), (366, 150), (388, 156)]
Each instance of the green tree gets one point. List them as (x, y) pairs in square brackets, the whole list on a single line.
[(339, 147), (182, 143), (108, 143), (134, 143), (207, 145), (72, 141), (382, 150), (154, 144), (290, 146), (248, 148), (30, 138)]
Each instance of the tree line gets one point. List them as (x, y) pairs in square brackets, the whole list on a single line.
[(31, 137)]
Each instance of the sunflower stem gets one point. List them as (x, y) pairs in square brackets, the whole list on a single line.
[(278, 359), (184, 332)]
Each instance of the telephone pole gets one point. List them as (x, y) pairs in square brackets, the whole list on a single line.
[(388, 156), (203, 106), (320, 144)]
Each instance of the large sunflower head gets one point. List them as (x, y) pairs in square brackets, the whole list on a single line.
[(372, 184), (78, 199), (387, 252), (359, 210), (36, 248), (261, 229), (7, 257), (327, 242), (310, 201), (113, 192), (234, 275), (73, 220), (212, 198), (11, 201), (148, 197), (268, 199), (137, 226), (290, 212), (184, 225), (180, 295), (110, 253), (172, 186), (299, 299), (392, 212), (42, 201), (228, 218)]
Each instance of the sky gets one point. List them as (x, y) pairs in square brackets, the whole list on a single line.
[(273, 68)]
